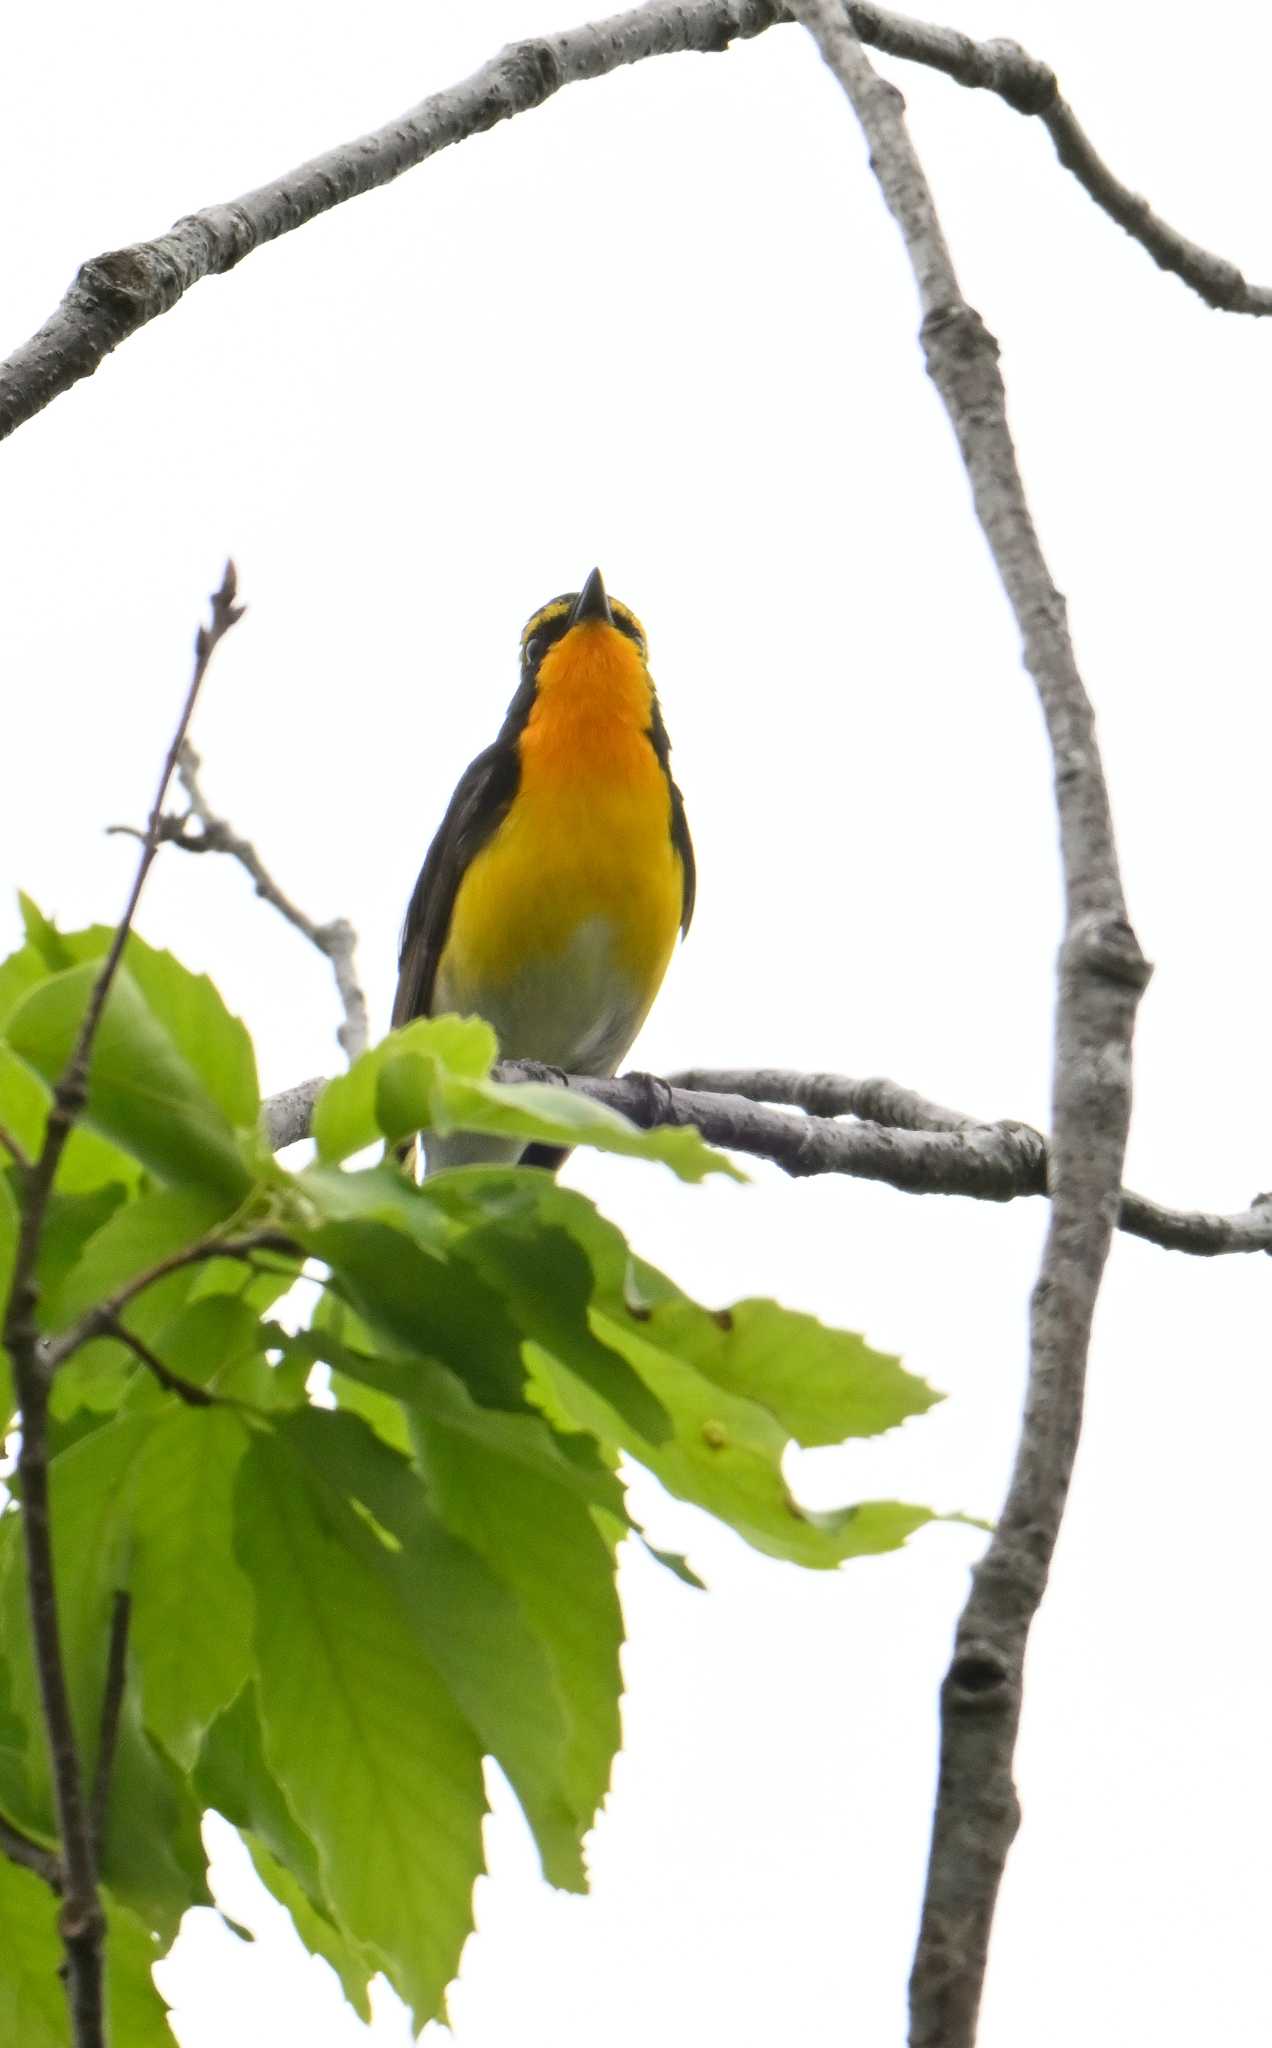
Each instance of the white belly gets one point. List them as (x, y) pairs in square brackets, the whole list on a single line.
[(577, 1011)]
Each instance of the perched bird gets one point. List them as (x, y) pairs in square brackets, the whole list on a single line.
[(550, 900)]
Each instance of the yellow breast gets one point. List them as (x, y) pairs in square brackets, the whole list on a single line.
[(584, 863)]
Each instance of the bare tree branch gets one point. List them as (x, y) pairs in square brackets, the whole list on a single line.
[(336, 941), (112, 1707), (908, 1144), (1031, 87), (1102, 975), (116, 293), (876, 1101), (122, 290), (81, 1922)]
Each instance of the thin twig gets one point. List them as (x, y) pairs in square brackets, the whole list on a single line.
[(15, 1149), (19, 1848), (336, 941), (876, 1100), (172, 1382), (908, 1143), (116, 293), (81, 1922), (1102, 975), (103, 1319), (112, 1707)]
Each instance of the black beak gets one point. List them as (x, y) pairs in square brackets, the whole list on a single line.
[(591, 602)]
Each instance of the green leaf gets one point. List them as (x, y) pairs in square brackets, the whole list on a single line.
[(672, 1561), (421, 1304), (435, 1075), (726, 1449), (69, 1222), (188, 1005), (233, 1776), (32, 2001), (33, 2009), (136, 2013), (192, 1607), (136, 1238), (10, 1224), (344, 1118), (424, 1095), (153, 1852), (143, 1093), (391, 1793), (547, 1281), (822, 1385), (320, 1936), (543, 1544), (523, 1278), (431, 1393), (43, 938), (216, 1044), (471, 1627)]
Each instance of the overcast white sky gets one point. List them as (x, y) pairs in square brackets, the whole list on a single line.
[(663, 324)]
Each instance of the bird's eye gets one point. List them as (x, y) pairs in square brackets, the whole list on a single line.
[(534, 650)]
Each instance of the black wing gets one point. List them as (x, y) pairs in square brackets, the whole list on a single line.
[(477, 809), (679, 823)]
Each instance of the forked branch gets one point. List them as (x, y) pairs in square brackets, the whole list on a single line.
[(122, 290), (81, 1921), (1102, 974)]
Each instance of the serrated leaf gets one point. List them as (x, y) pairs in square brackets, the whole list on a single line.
[(544, 1545), (344, 1119), (428, 1391), (43, 937), (233, 1776), (422, 1304), (320, 1937), (471, 1626), (546, 1280), (822, 1385), (726, 1450), (143, 1093), (192, 1607), (187, 1005), (392, 1795)]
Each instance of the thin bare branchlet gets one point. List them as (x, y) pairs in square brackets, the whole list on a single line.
[(172, 1382), (103, 1319), (199, 829), (120, 291), (33, 1856), (1102, 975), (81, 1921)]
